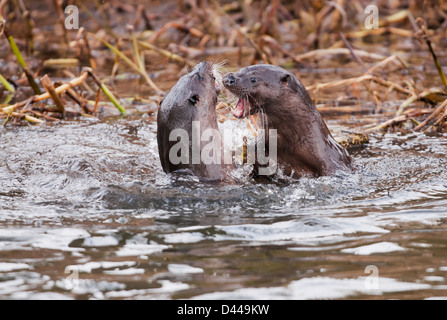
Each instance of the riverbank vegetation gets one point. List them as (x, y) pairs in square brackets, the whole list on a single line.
[(384, 64)]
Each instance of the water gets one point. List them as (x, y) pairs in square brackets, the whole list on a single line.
[(86, 212)]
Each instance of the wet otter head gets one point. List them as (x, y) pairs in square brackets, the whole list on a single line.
[(304, 144), (261, 88), (191, 102), (193, 96)]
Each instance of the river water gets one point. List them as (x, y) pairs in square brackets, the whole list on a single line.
[(87, 213)]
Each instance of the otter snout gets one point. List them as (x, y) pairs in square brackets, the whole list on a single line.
[(229, 80)]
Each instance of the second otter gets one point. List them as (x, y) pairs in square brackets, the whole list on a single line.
[(186, 120), (305, 147)]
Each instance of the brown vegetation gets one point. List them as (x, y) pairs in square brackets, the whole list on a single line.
[(392, 75)]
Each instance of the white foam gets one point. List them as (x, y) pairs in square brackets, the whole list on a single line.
[(381, 247), (128, 271), (40, 296), (45, 238), (9, 266), (89, 266), (183, 269), (137, 249), (317, 288), (166, 287), (11, 286), (86, 286), (423, 216), (304, 231), (106, 241), (184, 237), (309, 231), (434, 278), (192, 228)]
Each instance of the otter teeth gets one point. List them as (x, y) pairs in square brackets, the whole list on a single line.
[(241, 106)]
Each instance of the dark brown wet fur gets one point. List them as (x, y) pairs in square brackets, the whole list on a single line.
[(193, 98), (305, 147)]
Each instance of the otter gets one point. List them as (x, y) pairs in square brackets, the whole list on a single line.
[(187, 131), (305, 147)]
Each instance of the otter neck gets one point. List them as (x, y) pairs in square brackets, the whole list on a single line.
[(292, 123)]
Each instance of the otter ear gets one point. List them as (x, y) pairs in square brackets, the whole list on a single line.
[(290, 81), (285, 78)]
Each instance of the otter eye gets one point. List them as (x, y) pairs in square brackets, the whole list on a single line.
[(200, 77), (253, 80), (194, 99)]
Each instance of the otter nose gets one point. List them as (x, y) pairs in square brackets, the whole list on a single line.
[(230, 80)]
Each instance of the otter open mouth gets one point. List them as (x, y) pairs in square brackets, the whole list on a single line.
[(242, 105)]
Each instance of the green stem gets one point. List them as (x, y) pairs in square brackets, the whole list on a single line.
[(7, 118), (128, 61), (21, 61), (16, 51), (438, 65), (136, 51), (8, 99), (107, 92), (6, 84), (112, 98), (166, 53)]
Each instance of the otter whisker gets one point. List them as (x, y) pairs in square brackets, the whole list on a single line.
[(219, 65)]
